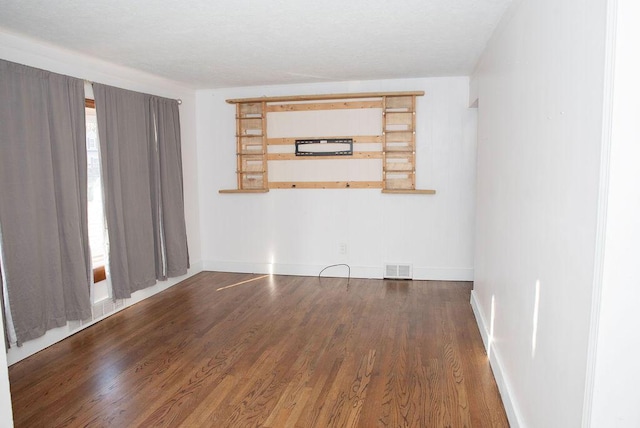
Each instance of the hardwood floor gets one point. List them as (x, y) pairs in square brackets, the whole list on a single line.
[(274, 352)]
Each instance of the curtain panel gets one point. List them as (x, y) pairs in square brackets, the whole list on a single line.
[(169, 201), (142, 175), (43, 199), (123, 128)]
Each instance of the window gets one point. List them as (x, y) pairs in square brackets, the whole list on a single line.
[(95, 207)]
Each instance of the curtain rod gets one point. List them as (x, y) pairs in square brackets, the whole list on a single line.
[(92, 82)]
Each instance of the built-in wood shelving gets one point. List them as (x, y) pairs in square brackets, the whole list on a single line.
[(251, 146), (397, 141)]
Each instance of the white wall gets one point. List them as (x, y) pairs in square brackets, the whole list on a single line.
[(540, 84), (617, 373), (299, 231), (41, 55)]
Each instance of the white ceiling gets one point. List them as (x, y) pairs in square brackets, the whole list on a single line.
[(227, 43)]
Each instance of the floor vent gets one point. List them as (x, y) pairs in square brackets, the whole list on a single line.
[(398, 271)]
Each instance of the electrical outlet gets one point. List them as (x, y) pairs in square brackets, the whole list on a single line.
[(342, 248)]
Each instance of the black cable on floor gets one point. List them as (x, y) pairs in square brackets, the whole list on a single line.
[(339, 264)]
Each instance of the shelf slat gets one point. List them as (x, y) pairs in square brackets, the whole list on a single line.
[(410, 191), (358, 139), (355, 155), (243, 191), (280, 108), (325, 184)]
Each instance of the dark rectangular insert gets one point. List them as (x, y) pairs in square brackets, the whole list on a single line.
[(325, 147)]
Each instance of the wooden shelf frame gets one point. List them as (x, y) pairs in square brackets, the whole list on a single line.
[(321, 97), (397, 140), (399, 144), (251, 131), (325, 184)]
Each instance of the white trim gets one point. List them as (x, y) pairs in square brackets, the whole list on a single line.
[(292, 269), (603, 200), (443, 274), (508, 398), (422, 274)]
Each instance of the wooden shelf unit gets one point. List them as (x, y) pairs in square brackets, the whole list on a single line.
[(251, 146), (397, 140)]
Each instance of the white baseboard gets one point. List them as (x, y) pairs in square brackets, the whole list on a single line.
[(100, 310), (508, 400), (293, 269), (419, 273), (443, 274)]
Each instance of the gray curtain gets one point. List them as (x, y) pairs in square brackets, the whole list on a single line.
[(43, 198), (123, 125), (142, 173), (169, 224)]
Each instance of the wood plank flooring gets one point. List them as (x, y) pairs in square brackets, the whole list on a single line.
[(279, 351)]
